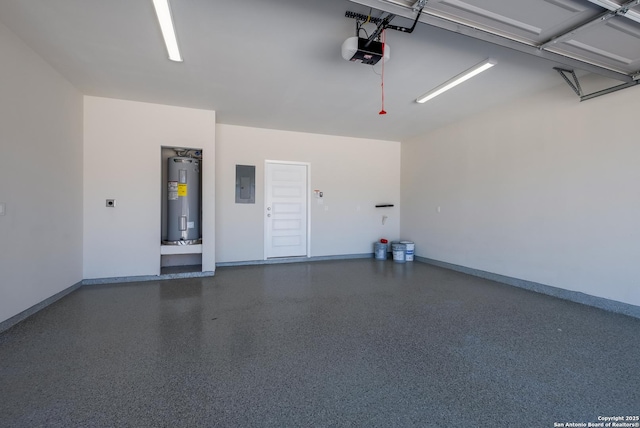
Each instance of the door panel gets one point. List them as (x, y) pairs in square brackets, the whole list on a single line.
[(286, 210)]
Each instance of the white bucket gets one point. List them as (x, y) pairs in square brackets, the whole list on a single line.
[(380, 251), (398, 252), (410, 249)]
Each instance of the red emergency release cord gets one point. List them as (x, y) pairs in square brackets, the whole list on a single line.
[(382, 75)]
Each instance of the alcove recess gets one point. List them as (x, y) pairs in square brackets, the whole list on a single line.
[(177, 254)]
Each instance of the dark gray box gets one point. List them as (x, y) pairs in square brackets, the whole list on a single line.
[(245, 184)]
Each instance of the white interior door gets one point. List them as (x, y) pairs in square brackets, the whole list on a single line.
[(286, 201)]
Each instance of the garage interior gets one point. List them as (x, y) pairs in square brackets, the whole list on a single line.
[(517, 187)]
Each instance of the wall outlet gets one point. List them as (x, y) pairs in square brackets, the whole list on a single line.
[(111, 203)]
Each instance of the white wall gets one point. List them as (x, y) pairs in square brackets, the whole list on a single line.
[(353, 173), (41, 179), (544, 189), (122, 151)]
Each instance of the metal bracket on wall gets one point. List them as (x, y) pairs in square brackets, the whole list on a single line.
[(574, 83)]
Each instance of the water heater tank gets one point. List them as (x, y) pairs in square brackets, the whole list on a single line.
[(183, 201)]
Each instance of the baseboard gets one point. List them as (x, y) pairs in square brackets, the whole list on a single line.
[(143, 278), (295, 260), (573, 296), (8, 323)]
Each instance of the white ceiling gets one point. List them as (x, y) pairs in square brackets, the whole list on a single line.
[(277, 63)]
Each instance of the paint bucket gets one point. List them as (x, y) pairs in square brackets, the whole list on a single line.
[(398, 252), (410, 249), (380, 251), (390, 248)]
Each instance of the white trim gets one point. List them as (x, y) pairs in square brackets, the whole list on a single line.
[(180, 249)]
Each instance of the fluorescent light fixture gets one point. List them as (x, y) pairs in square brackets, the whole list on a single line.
[(476, 69), (168, 31)]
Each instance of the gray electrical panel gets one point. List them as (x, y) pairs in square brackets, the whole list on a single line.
[(183, 201), (245, 184)]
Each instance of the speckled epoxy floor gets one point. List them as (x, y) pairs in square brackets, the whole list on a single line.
[(338, 343)]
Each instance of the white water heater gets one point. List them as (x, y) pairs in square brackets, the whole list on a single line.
[(183, 201)]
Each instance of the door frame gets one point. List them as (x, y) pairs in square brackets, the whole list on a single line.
[(264, 208)]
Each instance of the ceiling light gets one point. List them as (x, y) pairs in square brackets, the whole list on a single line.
[(168, 31), (476, 69)]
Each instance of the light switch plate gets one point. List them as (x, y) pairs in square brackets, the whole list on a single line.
[(3, 207)]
